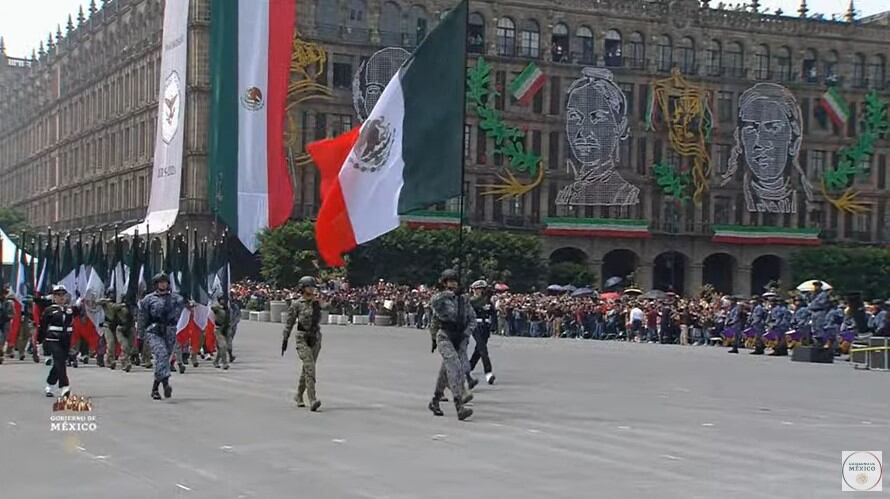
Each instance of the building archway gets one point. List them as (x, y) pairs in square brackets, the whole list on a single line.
[(669, 272), (718, 270), (618, 263), (764, 269), (568, 254)]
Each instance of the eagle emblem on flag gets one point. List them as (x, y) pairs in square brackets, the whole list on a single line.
[(374, 145), (172, 106)]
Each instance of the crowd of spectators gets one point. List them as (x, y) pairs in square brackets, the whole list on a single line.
[(668, 319)]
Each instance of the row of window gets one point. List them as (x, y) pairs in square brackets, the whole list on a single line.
[(98, 199), (525, 40), (116, 95)]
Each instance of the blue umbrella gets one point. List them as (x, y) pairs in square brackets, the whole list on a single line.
[(556, 288), (583, 292)]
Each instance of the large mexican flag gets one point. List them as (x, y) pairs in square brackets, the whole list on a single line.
[(406, 155), (250, 51)]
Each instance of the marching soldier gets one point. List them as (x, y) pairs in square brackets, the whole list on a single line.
[(56, 328), (819, 307), (222, 319), (26, 332), (484, 316), (735, 320), (451, 324), (303, 320), (758, 322), (780, 320), (7, 312), (158, 313), (118, 330)]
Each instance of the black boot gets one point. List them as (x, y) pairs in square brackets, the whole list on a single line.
[(472, 382), (434, 407), (168, 390), (154, 390), (100, 361), (734, 350), (463, 412), (468, 397)]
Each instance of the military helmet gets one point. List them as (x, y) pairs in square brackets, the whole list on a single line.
[(480, 284), (306, 281), (160, 276), (448, 275)]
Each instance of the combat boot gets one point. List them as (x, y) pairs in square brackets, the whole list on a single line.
[(112, 365), (127, 367), (463, 412), (468, 397), (168, 390), (34, 357), (434, 407), (154, 390), (298, 398), (314, 405), (472, 382), (100, 361)]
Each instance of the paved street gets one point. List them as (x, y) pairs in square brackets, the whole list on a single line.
[(567, 419)]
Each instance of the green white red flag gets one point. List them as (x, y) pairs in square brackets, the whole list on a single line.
[(835, 106), (251, 43), (408, 153), (528, 83)]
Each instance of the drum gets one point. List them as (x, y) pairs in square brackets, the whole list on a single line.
[(728, 334), (846, 339)]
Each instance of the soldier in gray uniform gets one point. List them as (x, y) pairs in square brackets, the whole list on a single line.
[(303, 320), (158, 313), (758, 322), (736, 320), (819, 307), (451, 325)]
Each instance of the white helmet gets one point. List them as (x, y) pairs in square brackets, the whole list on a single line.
[(480, 284)]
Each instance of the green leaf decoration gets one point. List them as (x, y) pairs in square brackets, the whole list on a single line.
[(672, 183), (509, 141), (852, 158)]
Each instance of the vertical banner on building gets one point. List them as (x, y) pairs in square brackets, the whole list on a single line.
[(166, 180), (251, 43)]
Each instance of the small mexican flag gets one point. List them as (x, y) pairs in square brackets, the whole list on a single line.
[(527, 84), (250, 54), (407, 154), (835, 106)]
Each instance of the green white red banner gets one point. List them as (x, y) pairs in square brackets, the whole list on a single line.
[(597, 227), (748, 235)]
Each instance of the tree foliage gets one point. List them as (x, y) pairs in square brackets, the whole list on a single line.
[(574, 273), (407, 256), (288, 253), (847, 269), (13, 222)]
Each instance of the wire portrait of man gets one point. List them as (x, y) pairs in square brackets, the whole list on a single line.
[(596, 123), (373, 76), (768, 137)]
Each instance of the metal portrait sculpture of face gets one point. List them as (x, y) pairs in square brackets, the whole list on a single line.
[(592, 124), (769, 137), (373, 76), (596, 123), (766, 134)]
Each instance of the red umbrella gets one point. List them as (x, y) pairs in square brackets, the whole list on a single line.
[(609, 296), (501, 287)]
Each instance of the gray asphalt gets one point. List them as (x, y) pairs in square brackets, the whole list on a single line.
[(566, 419)]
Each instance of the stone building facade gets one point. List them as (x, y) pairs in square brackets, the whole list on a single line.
[(78, 119), (77, 128)]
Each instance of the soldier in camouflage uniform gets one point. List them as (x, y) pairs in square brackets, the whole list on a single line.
[(303, 318), (451, 324), (7, 311), (26, 331), (158, 313), (222, 319), (118, 330)]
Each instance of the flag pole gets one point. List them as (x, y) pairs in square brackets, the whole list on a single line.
[(463, 150)]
